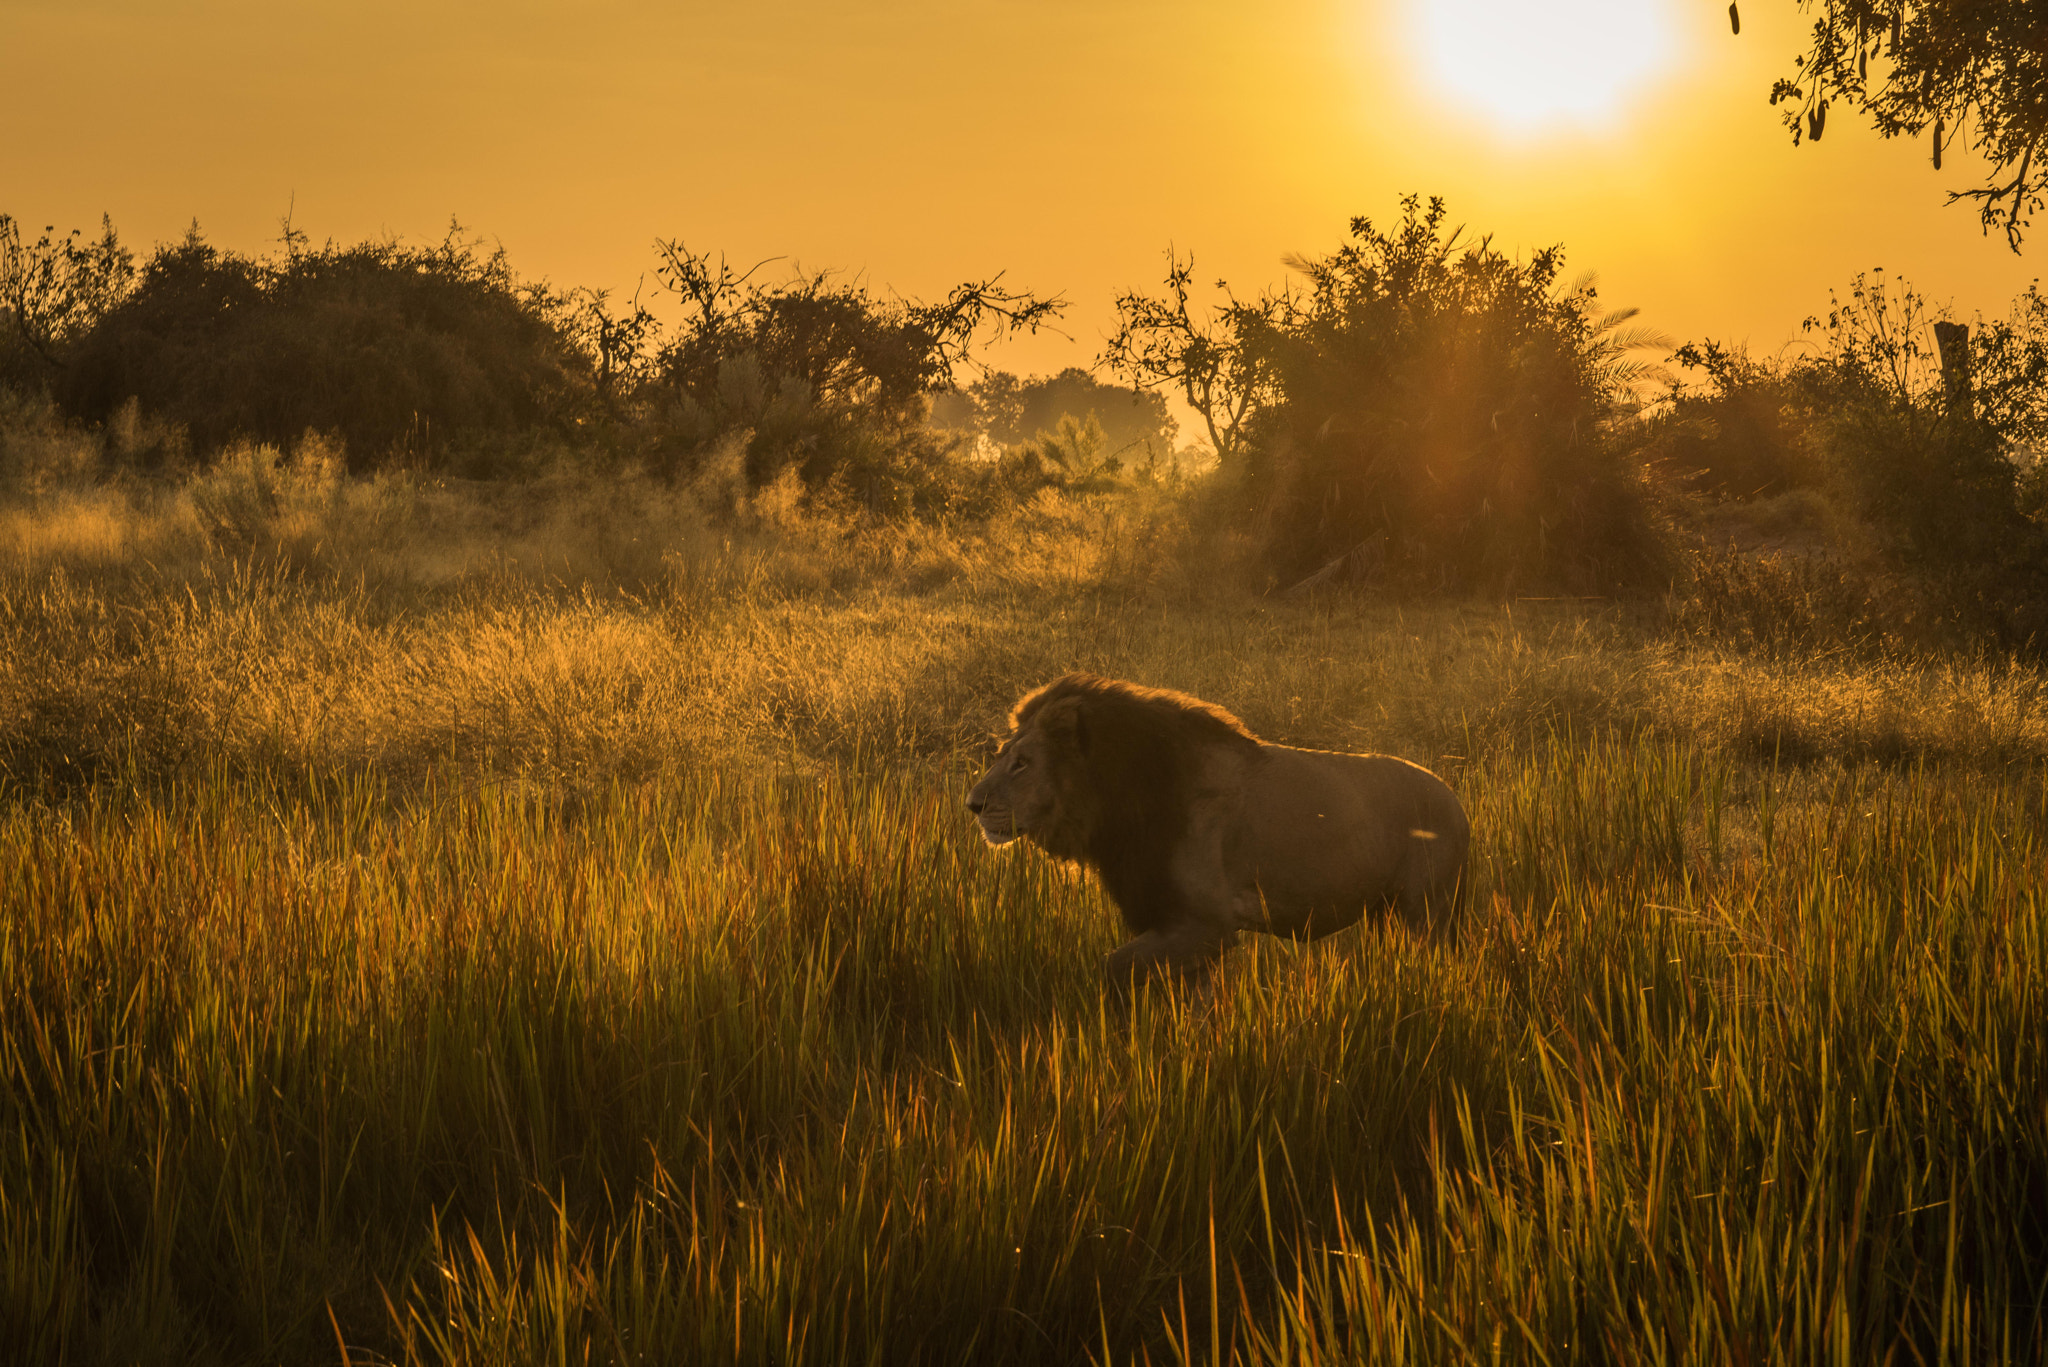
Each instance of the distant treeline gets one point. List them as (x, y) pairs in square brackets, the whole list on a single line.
[(1418, 410), (442, 357)]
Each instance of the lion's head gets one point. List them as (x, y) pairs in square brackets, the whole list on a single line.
[(1088, 756), (1030, 788)]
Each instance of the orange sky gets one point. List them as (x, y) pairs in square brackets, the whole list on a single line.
[(1066, 142)]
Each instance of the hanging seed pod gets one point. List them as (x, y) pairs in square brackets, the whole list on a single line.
[(1898, 27), (1816, 121), (1862, 63), (1734, 17), (1937, 144)]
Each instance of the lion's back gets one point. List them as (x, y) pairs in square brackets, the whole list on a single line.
[(1324, 834)]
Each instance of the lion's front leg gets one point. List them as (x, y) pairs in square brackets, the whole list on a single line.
[(1187, 954)]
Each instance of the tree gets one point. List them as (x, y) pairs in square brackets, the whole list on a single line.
[(55, 289), (1444, 415), (851, 349), (820, 378), (1972, 69), (1217, 364), (621, 345)]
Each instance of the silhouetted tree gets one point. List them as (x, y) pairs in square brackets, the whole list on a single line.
[(53, 292), (1974, 69), (1216, 363), (1444, 412), (622, 344)]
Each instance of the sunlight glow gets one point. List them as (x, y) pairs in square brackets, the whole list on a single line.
[(1529, 67)]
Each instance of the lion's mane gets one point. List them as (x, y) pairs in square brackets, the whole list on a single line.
[(1132, 780)]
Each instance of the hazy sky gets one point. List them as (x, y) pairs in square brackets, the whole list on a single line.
[(1065, 142)]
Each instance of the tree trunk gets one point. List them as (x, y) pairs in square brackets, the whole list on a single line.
[(1954, 341)]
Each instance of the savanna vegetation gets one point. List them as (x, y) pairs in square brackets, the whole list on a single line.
[(485, 879)]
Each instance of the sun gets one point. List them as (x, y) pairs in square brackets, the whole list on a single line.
[(1534, 66)]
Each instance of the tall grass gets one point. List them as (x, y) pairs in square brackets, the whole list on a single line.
[(801, 1072), (509, 965), (588, 631)]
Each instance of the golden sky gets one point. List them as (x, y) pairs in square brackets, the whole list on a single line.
[(1065, 142)]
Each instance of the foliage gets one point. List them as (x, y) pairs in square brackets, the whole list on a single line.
[(849, 347), (1746, 434), (2008, 369), (1073, 459), (41, 453), (1936, 470), (1964, 68), (1215, 362), (1420, 411), (830, 380), (1934, 454), (622, 345), (403, 353), (1929, 455), (53, 292), (1447, 415)]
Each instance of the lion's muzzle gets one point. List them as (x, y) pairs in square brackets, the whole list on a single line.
[(998, 824)]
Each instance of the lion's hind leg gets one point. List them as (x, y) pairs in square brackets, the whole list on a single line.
[(1427, 898)]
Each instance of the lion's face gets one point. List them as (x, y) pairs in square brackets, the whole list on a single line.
[(1021, 792)]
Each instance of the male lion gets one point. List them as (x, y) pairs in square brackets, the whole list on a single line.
[(1199, 829)]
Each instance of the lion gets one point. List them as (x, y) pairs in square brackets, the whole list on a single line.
[(1200, 830)]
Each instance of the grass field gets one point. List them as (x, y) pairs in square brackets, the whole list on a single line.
[(443, 931)]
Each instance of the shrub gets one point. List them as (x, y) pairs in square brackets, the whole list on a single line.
[(405, 354), (1936, 456), (1746, 434), (1916, 456), (39, 451), (54, 291), (1071, 458), (820, 376), (1433, 414)]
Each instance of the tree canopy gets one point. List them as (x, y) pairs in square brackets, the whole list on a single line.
[(1975, 70)]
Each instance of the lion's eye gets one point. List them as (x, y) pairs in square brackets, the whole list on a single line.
[(1017, 763)]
